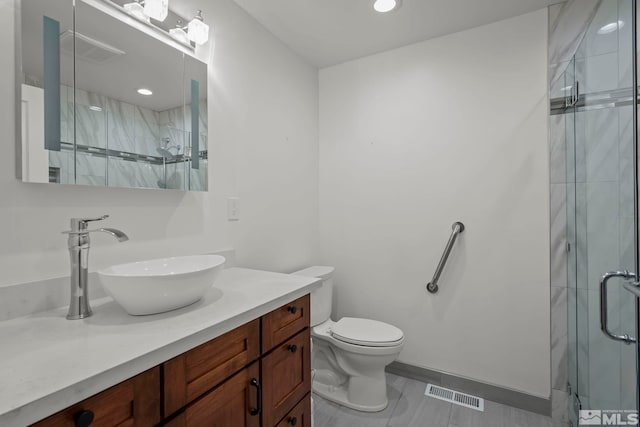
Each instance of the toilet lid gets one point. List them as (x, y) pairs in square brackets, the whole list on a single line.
[(366, 332)]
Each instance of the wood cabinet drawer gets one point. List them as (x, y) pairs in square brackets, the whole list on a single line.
[(132, 403), (300, 416), (286, 377), (197, 371), (228, 405), (284, 322)]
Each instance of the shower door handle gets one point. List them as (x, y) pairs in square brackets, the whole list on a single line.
[(603, 305)]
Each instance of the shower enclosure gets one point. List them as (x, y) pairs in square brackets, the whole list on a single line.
[(594, 102)]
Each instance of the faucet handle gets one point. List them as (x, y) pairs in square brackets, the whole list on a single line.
[(80, 224)]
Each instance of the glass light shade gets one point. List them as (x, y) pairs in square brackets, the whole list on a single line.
[(198, 31), (179, 34), (135, 9), (156, 9)]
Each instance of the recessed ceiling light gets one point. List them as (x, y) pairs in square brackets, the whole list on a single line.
[(611, 27), (383, 6), (95, 108), (145, 92)]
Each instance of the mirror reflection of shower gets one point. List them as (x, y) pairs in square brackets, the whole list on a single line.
[(169, 153)]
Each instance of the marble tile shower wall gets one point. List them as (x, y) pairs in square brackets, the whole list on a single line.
[(568, 22), (591, 176), (126, 127)]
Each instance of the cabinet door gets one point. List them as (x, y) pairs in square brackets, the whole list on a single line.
[(286, 376), (231, 404), (197, 371), (300, 416), (132, 403), (284, 322)]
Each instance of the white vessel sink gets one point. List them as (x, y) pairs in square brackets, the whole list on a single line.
[(159, 285)]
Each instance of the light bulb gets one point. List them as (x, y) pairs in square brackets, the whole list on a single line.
[(197, 30), (145, 92), (156, 9)]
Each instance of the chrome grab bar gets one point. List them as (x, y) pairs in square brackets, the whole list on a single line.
[(457, 228), (603, 305)]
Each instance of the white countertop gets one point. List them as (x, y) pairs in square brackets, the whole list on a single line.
[(48, 363)]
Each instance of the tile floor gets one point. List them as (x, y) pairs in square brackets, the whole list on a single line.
[(409, 407)]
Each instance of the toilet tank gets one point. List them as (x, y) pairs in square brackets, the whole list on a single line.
[(321, 298)]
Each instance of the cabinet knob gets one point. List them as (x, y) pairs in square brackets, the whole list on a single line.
[(292, 309), (292, 348), (292, 421), (83, 418)]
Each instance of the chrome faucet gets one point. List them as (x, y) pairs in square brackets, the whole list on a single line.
[(79, 307)]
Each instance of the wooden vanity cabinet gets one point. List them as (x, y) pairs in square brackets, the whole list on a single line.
[(286, 377), (257, 375), (190, 375), (132, 403), (299, 416), (232, 404)]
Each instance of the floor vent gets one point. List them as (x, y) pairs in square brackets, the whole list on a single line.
[(455, 397)]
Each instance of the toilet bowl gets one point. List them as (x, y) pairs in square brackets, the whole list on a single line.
[(349, 356)]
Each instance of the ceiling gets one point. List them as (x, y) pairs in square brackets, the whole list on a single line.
[(146, 61), (328, 32)]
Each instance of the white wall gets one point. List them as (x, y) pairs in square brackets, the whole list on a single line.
[(413, 139), (263, 148)]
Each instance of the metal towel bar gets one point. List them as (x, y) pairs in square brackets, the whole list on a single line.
[(457, 228)]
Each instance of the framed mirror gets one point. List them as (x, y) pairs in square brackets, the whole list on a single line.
[(104, 103)]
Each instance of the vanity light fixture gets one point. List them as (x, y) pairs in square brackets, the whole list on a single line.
[(156, 9), (384, 6), (179, 33), (145, 92), (611, 27), (136, 10), (197, 30)]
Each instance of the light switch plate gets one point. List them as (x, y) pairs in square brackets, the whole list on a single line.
[(233, 212)]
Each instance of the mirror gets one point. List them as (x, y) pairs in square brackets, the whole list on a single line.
[(106, 104)]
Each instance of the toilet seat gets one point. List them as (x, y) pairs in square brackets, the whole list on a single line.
[(366, 332)]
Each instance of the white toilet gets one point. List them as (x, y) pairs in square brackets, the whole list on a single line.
[(349, 356)]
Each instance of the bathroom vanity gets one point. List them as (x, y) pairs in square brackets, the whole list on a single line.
[(240, 357)]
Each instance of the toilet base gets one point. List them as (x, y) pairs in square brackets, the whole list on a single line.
[(338, 394)]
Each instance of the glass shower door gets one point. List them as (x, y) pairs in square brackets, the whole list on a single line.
[(601, 216)]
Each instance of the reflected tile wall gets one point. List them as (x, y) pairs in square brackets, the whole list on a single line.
[(558, 207), (146, 131), (119, 126), (91, 125), (66, 113), (602, 230), (559, 338), (122, 173), (568, 23), (604, 354), (625, 45), (582, 337)]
